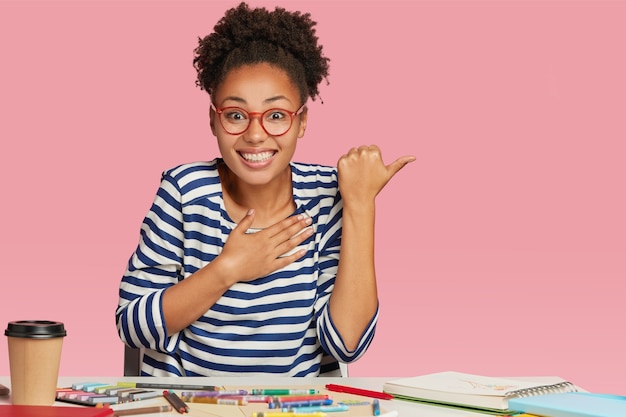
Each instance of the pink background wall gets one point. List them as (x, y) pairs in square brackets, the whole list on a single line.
[(501, 251)]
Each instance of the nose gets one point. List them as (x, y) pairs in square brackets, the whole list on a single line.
[(255, 132)]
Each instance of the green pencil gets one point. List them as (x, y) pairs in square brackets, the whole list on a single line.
[(284, 391)]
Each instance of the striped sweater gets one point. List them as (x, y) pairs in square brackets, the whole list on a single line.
[(275, 325)]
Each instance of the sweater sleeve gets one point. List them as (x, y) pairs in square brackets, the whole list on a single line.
[(330, 245), (155, 265)]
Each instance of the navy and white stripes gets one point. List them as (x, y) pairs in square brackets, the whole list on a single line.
[(275, 325)]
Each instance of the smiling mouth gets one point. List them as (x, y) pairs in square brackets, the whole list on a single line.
[(257, 157)]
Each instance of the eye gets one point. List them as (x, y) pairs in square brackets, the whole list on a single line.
[(276, 115), (235, 115)]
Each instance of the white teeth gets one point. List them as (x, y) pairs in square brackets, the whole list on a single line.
[(257, 157)]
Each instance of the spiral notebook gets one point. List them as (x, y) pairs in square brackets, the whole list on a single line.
[(484, 393)]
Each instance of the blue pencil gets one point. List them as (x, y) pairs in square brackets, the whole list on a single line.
[(376, 407)]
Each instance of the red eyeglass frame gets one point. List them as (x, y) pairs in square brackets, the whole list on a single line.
[(253, 114)]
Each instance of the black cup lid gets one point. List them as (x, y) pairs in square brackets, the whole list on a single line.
[(35, 329)]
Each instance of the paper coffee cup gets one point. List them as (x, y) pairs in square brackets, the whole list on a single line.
[(34, 359)]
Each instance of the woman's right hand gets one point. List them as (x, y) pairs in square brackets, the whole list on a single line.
[(247, 256)]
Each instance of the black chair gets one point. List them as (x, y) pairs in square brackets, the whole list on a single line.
[(132, 361)]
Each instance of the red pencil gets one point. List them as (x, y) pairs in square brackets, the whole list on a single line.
[(359, 391)]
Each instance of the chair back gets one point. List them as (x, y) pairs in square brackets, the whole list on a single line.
[(132, 361)]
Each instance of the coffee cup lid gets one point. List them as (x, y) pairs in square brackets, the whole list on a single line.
[(35, 329)]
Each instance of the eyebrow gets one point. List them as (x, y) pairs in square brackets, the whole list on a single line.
[(266, 101)]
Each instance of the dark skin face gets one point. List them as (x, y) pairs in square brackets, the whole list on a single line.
[(257, 172)]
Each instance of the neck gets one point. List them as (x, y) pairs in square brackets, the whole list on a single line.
[(271, 202)]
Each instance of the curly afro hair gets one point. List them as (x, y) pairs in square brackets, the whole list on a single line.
[(247, 36)]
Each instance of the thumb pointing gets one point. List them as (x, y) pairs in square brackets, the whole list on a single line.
[(399, 163)]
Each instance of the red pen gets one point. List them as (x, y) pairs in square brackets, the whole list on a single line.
[(359, 391)]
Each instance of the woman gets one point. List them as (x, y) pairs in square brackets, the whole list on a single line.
[(251, 264)]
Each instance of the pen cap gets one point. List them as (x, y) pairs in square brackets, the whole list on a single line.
[(34, 359)]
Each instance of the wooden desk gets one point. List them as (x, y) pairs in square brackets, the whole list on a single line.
[(404, 408)]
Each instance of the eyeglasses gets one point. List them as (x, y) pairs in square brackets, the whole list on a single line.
[(275, 122)]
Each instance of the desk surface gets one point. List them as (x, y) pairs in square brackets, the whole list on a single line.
[(404, 408)]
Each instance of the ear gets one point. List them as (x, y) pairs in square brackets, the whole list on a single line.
[(212, 120), (304, 116)]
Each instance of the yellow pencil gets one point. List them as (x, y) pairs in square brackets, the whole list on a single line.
[(217, 400)]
